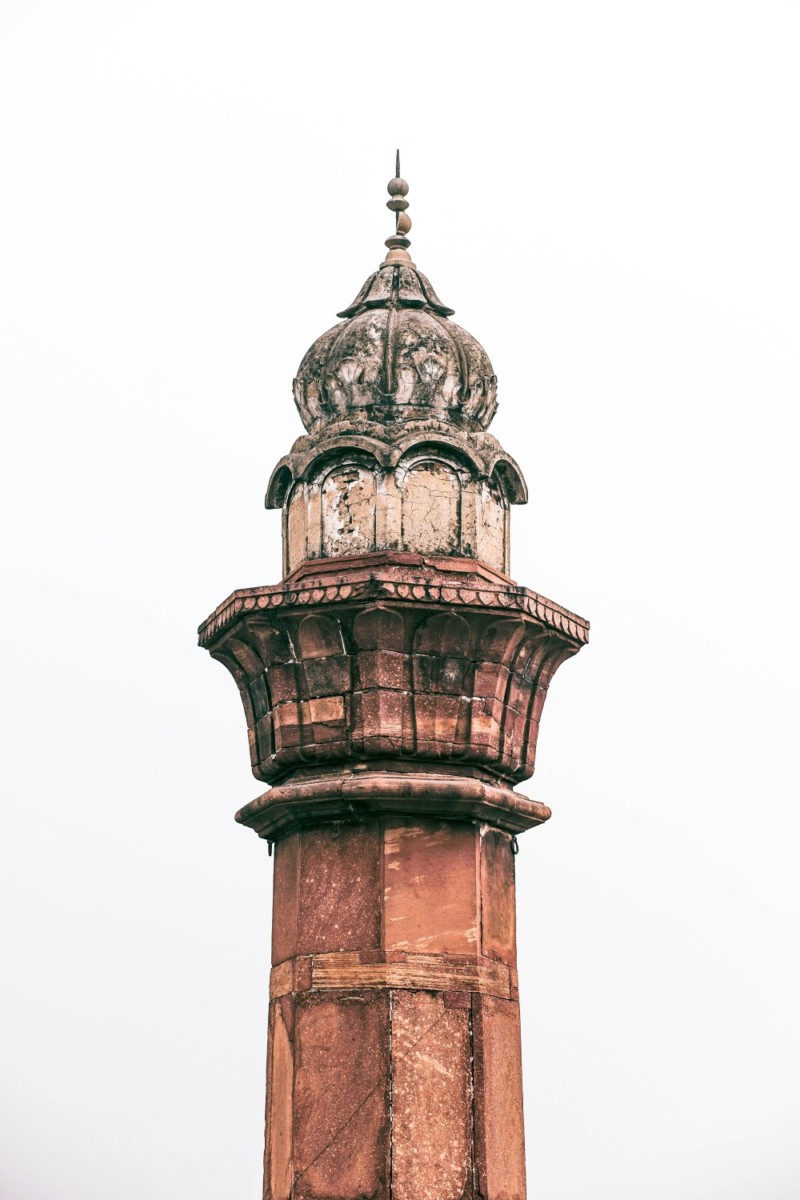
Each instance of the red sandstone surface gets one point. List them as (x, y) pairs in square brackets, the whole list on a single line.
[(393, 685)]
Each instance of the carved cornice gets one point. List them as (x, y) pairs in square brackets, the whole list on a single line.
[(396, 661), (437, 581)]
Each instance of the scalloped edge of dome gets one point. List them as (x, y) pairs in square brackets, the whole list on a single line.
[(411, 288)]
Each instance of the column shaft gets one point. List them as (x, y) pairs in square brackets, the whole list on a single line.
[(394, 1051)]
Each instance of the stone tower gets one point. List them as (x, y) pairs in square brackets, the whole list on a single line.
[(393, 684)]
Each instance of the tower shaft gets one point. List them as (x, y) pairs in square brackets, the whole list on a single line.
[(395, 1063)]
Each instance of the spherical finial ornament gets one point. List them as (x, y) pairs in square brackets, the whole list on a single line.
[(398, 243)]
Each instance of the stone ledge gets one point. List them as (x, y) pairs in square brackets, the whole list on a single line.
[(291, 806), (408, 577)]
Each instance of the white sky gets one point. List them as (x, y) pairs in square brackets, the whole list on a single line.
[(608, 195)]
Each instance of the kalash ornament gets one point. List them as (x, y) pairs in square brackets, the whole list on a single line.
[(393, 684)]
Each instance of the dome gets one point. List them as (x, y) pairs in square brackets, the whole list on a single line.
[(396, 357)]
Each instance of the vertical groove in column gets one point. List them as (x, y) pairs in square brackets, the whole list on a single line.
[(390, 1086), (473, 1155)]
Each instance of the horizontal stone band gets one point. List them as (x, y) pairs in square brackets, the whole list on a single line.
[(347, 971), (355, 796), (393, 577)]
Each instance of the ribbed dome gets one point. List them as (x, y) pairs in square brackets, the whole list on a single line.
[(396, 357)]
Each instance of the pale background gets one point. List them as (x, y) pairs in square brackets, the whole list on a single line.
[(608, 195)]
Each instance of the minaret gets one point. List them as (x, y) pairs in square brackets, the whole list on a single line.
[(393, 684)]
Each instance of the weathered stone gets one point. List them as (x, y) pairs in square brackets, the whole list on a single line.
[(341, 1096), (385, 669), (339, 889), (430, 507), (396, 357), (341, 796), (286, 889), (458, 686), (431, 1099), (402, 397), (382, 723), (328, 884), (400, 970), (278, 1152), (430, 510), (499, 1134), (446, 912), (430, 887), (348, 511), (498, 908), (328, 676)]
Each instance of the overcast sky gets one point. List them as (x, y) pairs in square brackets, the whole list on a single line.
[(608, 196)]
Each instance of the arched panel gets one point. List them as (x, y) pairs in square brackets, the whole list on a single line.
[(419, 447), (319, 462), (491, 540), (348, 511), (444, 633), (440, 675), (379, 629), (272, 642), (319, 637), (508, 476), (279, 485), (499, 642), (296, 530), (431, 508)]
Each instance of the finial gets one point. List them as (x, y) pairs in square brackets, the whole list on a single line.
[(398, 243)]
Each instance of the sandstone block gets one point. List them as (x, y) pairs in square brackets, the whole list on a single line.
[(430, 887), (383, 669), (339, 902), (431, 1099), (327, 676), (341, 1096), (327, 891), (499, 1133), (498, 906), (280, 1080), (286, 893)]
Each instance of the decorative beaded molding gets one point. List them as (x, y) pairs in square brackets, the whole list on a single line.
[(515, 599)]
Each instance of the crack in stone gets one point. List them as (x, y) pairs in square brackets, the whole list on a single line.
[(335, 1137)]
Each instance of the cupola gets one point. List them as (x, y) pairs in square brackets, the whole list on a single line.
[(396, 400)]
